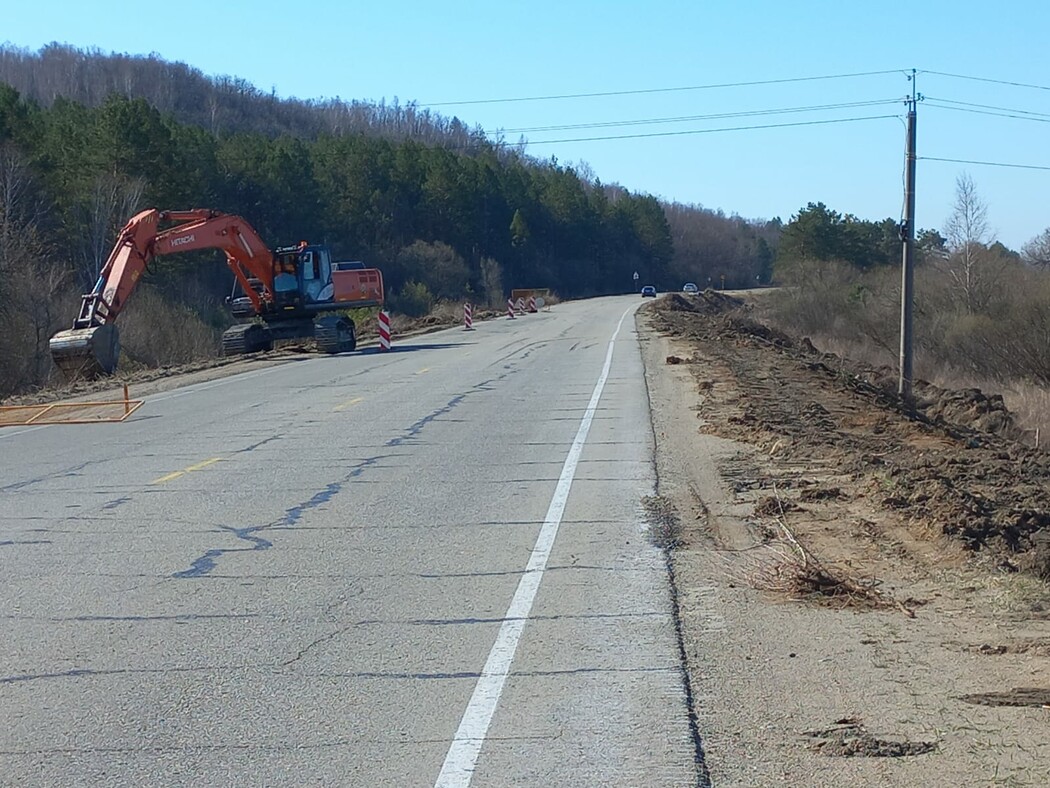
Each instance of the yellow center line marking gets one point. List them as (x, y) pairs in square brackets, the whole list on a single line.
[(204, 464), (184, 471), (168, 478), (348, 403)]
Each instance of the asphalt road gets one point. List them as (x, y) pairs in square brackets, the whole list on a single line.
[(425, 567)]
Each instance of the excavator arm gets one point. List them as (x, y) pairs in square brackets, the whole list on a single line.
[(91, 346)]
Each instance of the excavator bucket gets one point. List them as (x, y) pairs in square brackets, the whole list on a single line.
[(86, 353)]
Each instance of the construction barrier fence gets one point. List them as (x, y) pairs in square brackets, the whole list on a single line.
[(69, 412)]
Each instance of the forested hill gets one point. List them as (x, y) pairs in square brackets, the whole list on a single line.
[(87, 139), (218, 104)]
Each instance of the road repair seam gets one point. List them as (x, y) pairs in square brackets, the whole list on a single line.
[(462, 757)]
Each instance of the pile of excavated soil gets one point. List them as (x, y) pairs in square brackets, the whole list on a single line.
[(953, 462)]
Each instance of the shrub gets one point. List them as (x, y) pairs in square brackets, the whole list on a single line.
[(414, 299)]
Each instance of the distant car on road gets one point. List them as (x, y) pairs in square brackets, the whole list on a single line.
[(648, 290), (690, 287)]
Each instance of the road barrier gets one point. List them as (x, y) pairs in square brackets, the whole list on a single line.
[(468, 318), (521, 306), (541, 294), (69, 412), (532, 304), (510, 309), (384, 331)]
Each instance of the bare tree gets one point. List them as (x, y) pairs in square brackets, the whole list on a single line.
[(32, 286), (970, 266), (14, 197), (492, 281), (114, 198), (1036, 252)]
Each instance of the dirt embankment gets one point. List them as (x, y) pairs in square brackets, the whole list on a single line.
[(862, 585), (954, 462)]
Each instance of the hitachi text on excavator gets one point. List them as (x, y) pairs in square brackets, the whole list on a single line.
[(288, 293)]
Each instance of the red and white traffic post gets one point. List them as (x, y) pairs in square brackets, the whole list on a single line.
[(384, 331), (510, 309), (468, 318), (532, 304)]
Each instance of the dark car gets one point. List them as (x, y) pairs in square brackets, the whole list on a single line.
[(648, 290)]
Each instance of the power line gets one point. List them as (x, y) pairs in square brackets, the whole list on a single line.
[(713, 131), (663, 90), (689, 118), (986, 79), (988, 112), (989, 106), (987, 163)]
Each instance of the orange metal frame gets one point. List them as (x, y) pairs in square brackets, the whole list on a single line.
[(45, 414)]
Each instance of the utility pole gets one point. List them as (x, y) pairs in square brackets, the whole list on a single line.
[(907, 233)]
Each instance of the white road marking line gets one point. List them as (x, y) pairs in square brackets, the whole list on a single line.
[(458, 768), (205, 385), (23, 432)]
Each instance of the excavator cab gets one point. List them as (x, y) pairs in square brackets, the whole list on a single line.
[(287, 281), (302, 284), (302, 276), (314, 266)]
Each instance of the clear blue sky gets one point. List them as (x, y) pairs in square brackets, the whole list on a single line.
[(464, 51)]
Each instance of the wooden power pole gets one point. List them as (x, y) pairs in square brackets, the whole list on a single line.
[(907, 232)]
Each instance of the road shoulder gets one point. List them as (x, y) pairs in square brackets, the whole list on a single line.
[(789, 691)]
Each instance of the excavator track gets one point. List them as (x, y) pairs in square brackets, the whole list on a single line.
[(334, 334), (246, 338)]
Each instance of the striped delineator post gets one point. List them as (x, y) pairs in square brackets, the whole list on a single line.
[(384, 331), (532, 304), (521, 306), (510, 309), (468, 318)]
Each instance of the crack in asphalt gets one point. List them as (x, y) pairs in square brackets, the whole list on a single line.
[(473, 674), (442, 622), (178, 617), (71, 471), (252, 746), (205, 563), (314, 643), (76, 673)]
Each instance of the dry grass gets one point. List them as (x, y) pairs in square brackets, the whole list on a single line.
[(783, 565), (157, 332), (1029, 403), (1004, 349)]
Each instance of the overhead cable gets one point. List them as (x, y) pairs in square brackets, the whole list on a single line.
[(988, 106), (712, 131), (987, 163), (986, 79), (661, 90), (690, 118), (936, 105)]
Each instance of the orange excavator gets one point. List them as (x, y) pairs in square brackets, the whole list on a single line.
[(287, 293)]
